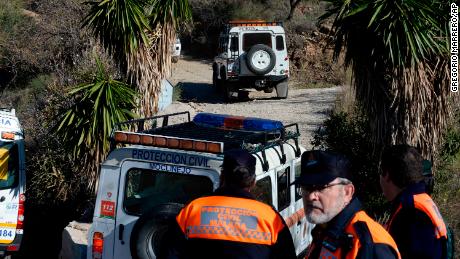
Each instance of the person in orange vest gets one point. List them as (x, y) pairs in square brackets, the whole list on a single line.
[(231, 223), (415, 222), (343, 229)]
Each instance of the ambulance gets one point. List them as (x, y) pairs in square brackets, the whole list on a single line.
[(12, 182), (158, 164)]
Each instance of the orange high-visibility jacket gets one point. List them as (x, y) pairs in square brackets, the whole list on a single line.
[(424, 203), (360, 236), (231, 219)]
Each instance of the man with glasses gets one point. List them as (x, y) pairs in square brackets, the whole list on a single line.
[(343, 229)]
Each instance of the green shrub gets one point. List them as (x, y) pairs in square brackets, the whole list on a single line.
[(178, 92), (348, 134), (447, 179), (10, 15)]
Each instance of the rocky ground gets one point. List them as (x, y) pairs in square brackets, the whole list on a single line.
[(307, 107)]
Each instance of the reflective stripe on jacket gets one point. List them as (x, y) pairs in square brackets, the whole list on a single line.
[(423, 202), (231, 219)]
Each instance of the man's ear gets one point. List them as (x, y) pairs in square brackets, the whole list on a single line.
[(349, 190)]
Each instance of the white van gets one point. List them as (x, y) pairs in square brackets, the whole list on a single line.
[(159, 167), (12, 182)]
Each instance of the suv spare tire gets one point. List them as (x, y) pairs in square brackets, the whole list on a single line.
[(149, 230), (260, 59)]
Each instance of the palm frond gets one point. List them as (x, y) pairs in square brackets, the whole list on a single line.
[(98, 105), (120, 25), (398, 52)]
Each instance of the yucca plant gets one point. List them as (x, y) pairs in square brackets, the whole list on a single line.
[(140, 34), (398, 52), (86, 125)]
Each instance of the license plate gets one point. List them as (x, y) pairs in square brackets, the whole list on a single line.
[(7, 235)]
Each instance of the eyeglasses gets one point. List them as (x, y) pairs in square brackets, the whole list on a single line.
[(304, 190)]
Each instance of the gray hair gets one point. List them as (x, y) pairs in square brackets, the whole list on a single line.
[(344, 180)]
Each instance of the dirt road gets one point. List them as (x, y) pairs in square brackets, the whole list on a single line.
[(307, 107)]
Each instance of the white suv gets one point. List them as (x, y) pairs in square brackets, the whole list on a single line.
[(176, 48), (145, 182), (252, 54)]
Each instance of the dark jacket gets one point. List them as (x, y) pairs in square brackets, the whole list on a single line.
[(352, 234), (412, 229), (180, 247)]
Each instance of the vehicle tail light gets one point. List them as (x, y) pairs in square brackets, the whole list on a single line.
[(12, 248), (20, 220), (98, 245)]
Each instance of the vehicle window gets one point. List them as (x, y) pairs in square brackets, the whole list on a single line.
[(279, 42), (297, 174), (263, 190), (251, 39), (234, 43), (145, 189), (9, 165), (284, 197)]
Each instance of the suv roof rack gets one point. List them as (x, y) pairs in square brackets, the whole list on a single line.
[(234, 23), (243, 23), (212, 133)]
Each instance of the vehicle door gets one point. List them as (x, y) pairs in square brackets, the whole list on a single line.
[(251, 37), (302, 235), (9, 191), (145, 185), (282, 61), (284, 199)]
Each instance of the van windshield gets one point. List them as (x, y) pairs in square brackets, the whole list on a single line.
[(8, 165), (145, 189)]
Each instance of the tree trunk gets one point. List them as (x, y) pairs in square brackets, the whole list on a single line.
[(293, 4)]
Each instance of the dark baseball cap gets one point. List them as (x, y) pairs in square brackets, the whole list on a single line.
[(322, 167), (238, 158)]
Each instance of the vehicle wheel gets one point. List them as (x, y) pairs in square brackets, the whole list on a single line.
[(268, 90), (261, 59), (282, 89), (174, 59), (149, 230)]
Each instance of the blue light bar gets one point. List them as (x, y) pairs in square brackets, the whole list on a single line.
[(236, 122)]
